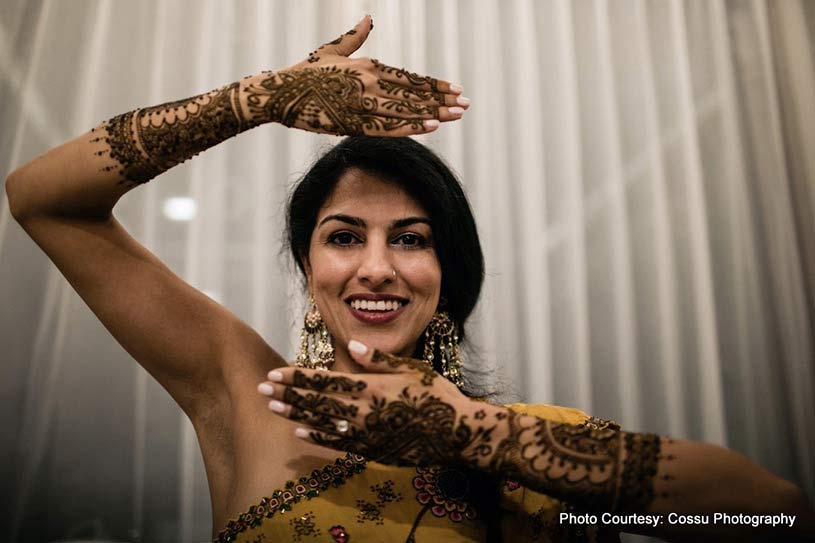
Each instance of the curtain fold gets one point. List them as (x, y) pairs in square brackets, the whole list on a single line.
[(642, 175)]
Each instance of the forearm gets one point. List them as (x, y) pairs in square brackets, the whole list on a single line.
[(87, 175), (602, 468)]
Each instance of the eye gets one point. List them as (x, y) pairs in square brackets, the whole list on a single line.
[(343, 239), (411, 240)]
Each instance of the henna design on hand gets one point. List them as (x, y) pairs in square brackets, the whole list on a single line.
[(312, 57), (323, 383), (428, 373), (401, 106), (146, 142), (411, 78), (326, 99), (394, 89), (413, 430), (320, 403)]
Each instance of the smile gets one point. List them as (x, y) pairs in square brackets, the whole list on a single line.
[(376, 312)]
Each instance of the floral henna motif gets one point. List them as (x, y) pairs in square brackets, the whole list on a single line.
[(326, 99), (428, 373), (319, 403), (413, 430), (580, 463), (394, 89), (149, 141), (322, 383), (410, 78)]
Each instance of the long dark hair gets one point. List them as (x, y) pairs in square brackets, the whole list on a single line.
[(425, 176)]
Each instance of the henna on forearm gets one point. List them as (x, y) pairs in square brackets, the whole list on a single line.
[(146, 142), (595, 466)]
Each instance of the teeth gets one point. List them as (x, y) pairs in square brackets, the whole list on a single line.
[(381, 305)]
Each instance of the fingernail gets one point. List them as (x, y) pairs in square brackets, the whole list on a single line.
[(356, 347), (301, 432), (277, 406), (431, 124), (463, 101), (266, 388), (275, 375), (456, 88), (457, 111)]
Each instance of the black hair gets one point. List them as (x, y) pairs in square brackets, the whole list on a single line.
[(423, 175)]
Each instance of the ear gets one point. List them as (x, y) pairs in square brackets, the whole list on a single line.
[(307, 269)]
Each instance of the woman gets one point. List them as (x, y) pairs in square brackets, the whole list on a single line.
[(377, 227)]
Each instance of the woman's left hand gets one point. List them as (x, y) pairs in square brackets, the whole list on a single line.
[(401, 413)]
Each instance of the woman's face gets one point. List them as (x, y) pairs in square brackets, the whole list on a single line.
[(367, 230)]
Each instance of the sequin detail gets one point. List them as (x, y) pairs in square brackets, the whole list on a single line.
[(443, 490), (332, 475)]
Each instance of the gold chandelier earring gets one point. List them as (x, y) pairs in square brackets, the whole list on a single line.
[(442, 331), (316, 351)]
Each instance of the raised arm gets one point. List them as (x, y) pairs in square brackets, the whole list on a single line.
[(64, 200)]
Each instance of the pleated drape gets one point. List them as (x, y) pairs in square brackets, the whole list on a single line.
[(639, 172)]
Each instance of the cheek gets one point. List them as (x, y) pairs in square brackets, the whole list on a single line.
[(424, 275), (329, 270)]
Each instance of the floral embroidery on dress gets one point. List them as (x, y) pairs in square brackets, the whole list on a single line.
[(334, 474), (304, 526), (443, 491), (372, 511), (339, 534)]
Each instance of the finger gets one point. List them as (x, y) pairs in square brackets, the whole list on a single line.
[(413, 80), (377, 361), (403, 109), (389, 89), (372, 125), (348, 43), (317, 380), (317, 402)]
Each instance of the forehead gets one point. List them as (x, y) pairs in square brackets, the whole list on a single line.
[(370, 196)]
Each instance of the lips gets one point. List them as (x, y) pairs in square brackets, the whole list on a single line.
[(375, 317)]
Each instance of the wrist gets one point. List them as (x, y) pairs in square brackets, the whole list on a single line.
[(259, 98), (490, 428)]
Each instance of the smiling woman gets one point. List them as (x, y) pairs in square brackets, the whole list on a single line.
[(373, 435)]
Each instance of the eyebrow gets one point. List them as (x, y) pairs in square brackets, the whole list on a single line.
[(356, 221)]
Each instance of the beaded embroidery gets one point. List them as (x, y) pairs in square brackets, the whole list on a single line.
[(294, 491)]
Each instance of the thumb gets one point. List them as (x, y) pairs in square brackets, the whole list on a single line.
[(352, 40), (376, 360), (382, 362)]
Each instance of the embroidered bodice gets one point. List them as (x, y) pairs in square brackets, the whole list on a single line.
[(353, 500)]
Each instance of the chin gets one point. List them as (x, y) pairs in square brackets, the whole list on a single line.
[(398, 346)]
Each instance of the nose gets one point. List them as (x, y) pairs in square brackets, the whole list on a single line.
[(376, 267)]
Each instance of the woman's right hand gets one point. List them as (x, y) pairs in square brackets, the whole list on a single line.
[(329, 92)]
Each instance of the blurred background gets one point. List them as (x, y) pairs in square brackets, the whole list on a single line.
[(642, 173)]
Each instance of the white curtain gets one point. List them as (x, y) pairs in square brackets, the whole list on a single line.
[(642, 174)]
